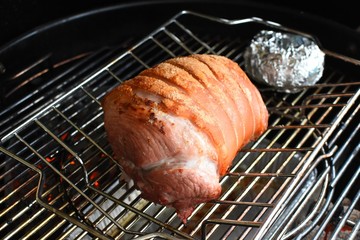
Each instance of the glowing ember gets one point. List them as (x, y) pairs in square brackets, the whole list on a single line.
[(94, 175), (50, 159), (50, 197), (64, 136)]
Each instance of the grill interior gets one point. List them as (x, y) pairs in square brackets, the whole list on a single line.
[(60, 179)]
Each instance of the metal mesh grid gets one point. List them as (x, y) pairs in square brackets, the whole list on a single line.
[(59, 160)]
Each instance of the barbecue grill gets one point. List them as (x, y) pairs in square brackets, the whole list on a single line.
[(298, 180)]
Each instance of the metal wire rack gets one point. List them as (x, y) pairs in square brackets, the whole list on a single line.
[(59, 166)]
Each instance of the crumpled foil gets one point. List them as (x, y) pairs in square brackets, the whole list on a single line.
[(283, 60)]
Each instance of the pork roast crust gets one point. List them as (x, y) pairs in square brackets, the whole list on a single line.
[(176, 128)]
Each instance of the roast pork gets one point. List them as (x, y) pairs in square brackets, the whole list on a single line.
[(175, 128)]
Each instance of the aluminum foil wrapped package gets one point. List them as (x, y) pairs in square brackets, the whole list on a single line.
[(283, 60)]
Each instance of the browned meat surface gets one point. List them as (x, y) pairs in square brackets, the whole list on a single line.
[(176, 128)]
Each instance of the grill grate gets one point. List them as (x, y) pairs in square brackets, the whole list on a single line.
[(57, 166)]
